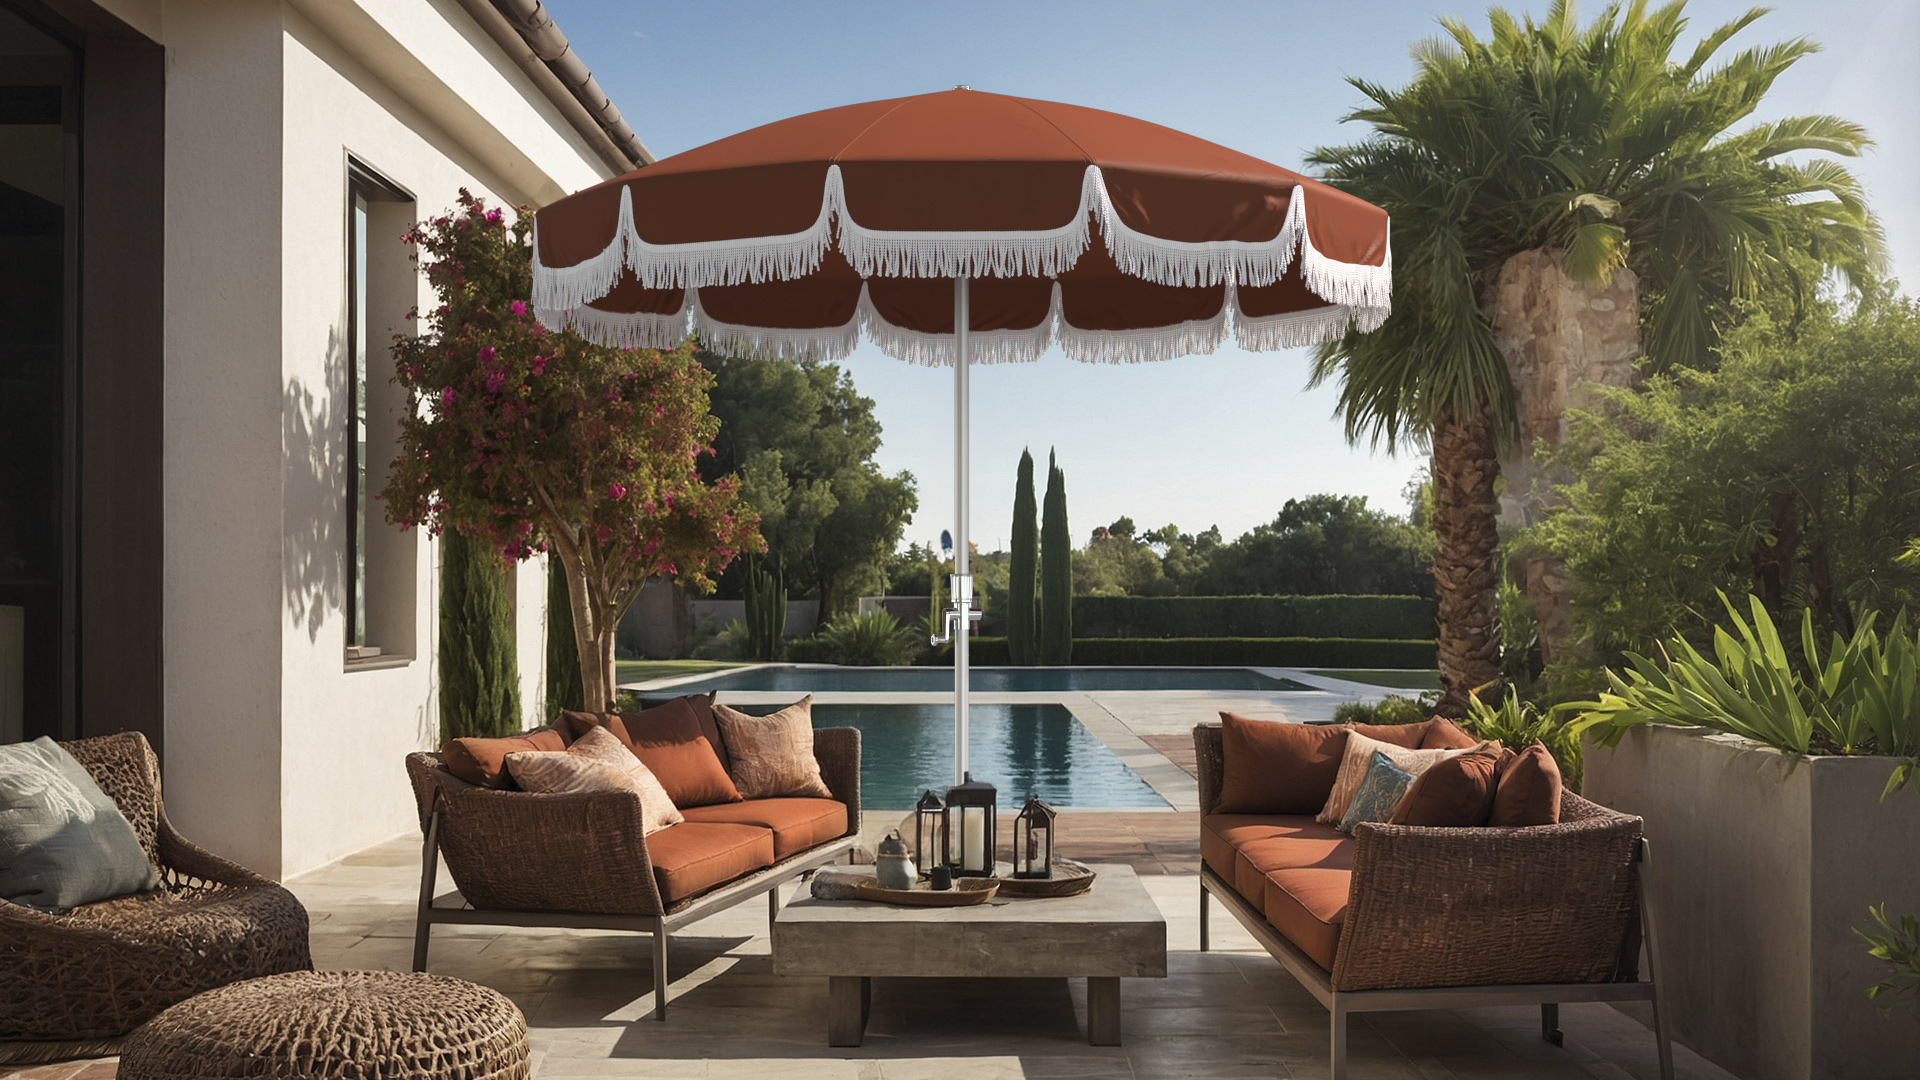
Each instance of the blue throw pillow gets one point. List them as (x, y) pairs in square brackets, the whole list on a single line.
[(63, 841), (1384, 785)]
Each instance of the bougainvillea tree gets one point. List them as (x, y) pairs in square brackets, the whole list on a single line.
[(532, 441)]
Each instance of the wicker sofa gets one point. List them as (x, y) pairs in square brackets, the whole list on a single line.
[(584, 861), (1399, 917), (72, 984)]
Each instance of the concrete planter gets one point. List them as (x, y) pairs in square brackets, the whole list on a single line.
[(1762, 864)]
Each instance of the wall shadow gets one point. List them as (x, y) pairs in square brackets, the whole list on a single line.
[(313, 435)]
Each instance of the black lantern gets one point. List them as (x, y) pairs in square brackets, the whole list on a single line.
[(1033, 840), (970, 828), (929, 832)]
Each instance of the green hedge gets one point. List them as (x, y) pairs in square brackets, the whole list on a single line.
[(1396, 617), (1223, 651)]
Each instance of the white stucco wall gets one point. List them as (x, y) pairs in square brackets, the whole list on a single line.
[(278, 753)]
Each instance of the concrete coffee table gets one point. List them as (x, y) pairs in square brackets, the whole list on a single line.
[(1111, 932)]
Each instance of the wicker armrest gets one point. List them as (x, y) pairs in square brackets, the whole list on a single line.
[(838, 752), (1210, 764), (522, 851), (1493, 906), (185, 865)]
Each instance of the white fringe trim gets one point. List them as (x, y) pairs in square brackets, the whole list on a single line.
[(983, 346), (882, 253), (1291, 330)]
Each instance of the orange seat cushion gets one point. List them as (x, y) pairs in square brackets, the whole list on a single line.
[(1308, 905), (797, 824), (694, 856), (1244, 848)]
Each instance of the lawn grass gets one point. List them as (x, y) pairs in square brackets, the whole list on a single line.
[(1397, 680), (632, 671)]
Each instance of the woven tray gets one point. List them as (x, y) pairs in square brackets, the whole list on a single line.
[(1069, 879), (966, 891)]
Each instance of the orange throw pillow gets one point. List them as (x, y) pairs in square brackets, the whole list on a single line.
[(1272, 767), (1405, 736), (1455, 793), (672, 743), (1529, 789), (1443, 733), (484, 761)]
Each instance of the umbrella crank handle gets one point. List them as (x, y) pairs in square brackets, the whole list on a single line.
[(948, 618), (962, 589)]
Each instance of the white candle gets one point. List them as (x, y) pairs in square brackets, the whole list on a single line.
[(974, 839)]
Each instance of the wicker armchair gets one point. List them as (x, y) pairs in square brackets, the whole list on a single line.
[(1454, 918), (580, 861), (77, 982)]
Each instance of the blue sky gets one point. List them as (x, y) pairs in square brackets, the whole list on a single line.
[(1222, 439)]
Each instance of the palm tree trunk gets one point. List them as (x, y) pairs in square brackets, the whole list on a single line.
[(1466, 559)]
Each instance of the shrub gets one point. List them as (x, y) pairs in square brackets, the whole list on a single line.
[(1858, 695), (1401, 617), (871, 639), (1519, 724), (1392, 709)]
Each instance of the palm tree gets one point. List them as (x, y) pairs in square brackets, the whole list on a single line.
[(1597, 145)]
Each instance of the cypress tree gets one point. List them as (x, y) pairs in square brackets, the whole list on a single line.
[(479, 675), (1056, 572), (563, 655), (1023, 565)]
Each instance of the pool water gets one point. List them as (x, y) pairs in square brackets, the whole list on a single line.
[(1019, 749), (806, 680)]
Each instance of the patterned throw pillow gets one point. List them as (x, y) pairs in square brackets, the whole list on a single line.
[(595, 762), (1359, 756), (1381, 789), (773, 754)]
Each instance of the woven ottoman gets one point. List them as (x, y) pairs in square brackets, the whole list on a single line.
[(363, 1025)]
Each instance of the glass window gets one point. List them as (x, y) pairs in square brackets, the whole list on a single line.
[(39, 146), (357, 424)]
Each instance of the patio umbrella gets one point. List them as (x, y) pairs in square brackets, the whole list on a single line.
[(962, 224)]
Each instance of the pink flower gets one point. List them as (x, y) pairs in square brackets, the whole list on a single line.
[(486, 354), (517, 307), (603, 534), (446, 398), (539, 365), (616, 492), (495, 381), (493, 215)]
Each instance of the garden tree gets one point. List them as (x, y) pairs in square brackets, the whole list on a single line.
[(1116, 563), (563, 651), (479, 675), (1323, 545), (1023, 570), (1597, 147), (1056, 571), (1792, 472), (802, 442), (526, 440)]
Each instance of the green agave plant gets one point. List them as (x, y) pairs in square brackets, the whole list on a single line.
[(872, 639), (1519, 724), (1858, 695)]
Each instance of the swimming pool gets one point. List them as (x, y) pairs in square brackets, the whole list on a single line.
[(791, 679), (1042, 749)]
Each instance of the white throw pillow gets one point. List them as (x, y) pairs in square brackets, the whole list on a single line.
[(1353, 769)]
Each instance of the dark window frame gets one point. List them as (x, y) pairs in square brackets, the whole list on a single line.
[(363, 186)]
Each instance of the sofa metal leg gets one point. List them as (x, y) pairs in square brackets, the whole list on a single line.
[(1550, 1023), (1662, 1025), (659, 969), (1337, 1020), (1205, 911), (429, 870), (773, 906)]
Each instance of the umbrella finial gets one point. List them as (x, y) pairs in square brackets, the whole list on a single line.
[(962, 86)]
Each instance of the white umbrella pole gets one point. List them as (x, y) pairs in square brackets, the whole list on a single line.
[(962, 591)]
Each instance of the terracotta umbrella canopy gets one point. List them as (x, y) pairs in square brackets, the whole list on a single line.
[(962, 224)]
